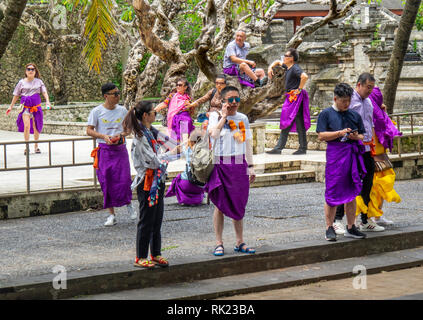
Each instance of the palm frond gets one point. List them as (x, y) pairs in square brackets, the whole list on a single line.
[(99, 27)]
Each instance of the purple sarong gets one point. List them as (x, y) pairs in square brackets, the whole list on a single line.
[(242, 77), (384, 128), (31, 101), (344, 172), (181, 124), (290, 110), (185, 191), (114, 175), (229, 186)]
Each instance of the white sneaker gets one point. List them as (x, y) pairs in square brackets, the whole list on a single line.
[(111, 221), (339, 228), (371, 226), (383, 221), (131, 211)]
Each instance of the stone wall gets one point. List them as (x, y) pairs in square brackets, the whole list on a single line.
[(81, 84)]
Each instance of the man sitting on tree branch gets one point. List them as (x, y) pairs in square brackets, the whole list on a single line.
[(235, 62)]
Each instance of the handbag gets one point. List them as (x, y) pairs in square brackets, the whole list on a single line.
[(202, 161), (382, 162)]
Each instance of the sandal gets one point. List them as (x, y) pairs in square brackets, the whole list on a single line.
[(37, 150), (244, 249), (143, 263), (219, 252), (160, 261)]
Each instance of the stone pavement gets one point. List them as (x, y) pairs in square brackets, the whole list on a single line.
[(400, 284)]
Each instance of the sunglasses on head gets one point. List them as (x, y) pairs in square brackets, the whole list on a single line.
[(232, 99), (114, 93), (30, 69)]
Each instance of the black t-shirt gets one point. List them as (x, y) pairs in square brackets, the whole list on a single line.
[(332, 120), (293, 77)]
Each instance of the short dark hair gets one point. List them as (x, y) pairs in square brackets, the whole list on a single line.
[(228, 89), (221, 76), (107, 87), (364, 77), (343, 90), (294, 53)]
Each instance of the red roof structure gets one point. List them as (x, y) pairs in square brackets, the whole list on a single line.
[(299, 11)]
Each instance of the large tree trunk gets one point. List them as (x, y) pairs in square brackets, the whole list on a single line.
[(396, 61), (12, 16), (57, 73)]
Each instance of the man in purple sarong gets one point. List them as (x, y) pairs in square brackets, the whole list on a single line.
[(111, 155), (235, 63), (233, 172), (343, 130), (295, 113), (361, 103)]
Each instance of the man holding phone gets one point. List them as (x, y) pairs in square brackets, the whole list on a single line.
[(361, 103), (342, 129)]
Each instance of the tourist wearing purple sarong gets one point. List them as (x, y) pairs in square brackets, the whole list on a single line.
[(233, 172), (111, 156), (385, 129), (179, 121), (295, 113), (30, 118), (343, 130), (235, 63)]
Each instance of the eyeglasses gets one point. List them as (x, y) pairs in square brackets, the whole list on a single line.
[(180, 85), (154, 112), (30, 69), (287, 56), (232, 99), (220, 82), (117, 93)]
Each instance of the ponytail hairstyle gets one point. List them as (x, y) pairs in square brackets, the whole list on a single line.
[(132, 121)]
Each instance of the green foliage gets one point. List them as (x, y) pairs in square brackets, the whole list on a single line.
[(144, 61), (118, 73)]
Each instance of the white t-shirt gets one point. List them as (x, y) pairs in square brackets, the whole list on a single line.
[(107, 121), (226, 145)]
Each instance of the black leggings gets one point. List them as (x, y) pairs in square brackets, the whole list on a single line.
[(369, 163), (150, 223)]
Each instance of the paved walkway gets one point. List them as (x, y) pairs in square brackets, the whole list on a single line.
[(79, 241), (401, 284)]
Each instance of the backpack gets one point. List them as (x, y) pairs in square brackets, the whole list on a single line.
[(202, 162)]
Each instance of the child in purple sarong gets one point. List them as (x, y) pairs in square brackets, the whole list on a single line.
[(30, 118), (233, 172), (187, 190), (150, 162), (343, 130), (111, 155)]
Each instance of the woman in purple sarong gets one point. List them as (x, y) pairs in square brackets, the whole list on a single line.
[(343, 130), (187, 190), (233, 172), (30, 118), (179, 122)]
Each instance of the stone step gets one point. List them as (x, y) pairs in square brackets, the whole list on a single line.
[(269, 167), (273, 279), (206, 266), (278, 178)]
